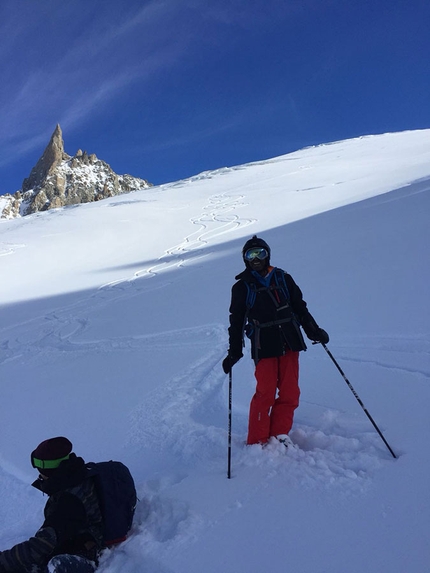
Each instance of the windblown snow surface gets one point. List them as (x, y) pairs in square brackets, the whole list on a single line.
[(114, 324)]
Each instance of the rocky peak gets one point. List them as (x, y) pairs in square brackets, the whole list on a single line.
[(52, 157), (58, 179)]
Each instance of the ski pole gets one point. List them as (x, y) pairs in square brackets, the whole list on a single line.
[(230, 384), (358, 399)]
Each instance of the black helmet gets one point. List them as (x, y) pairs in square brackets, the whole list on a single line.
[(252, 243)]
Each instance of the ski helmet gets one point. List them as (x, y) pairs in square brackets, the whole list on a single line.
[(252, 243)]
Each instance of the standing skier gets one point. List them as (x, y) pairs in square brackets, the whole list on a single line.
[(267, 304)]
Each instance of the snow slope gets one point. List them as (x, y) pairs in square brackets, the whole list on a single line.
[(113, 328)]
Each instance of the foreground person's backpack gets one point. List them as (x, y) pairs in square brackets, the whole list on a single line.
[(117, 497)]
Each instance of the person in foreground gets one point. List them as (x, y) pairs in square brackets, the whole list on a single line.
[(268, 306), (71, 536)]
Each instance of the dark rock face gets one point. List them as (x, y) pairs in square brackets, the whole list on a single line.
[(51, 158), (59, 179)]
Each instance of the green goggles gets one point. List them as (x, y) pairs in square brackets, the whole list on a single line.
[(47, 464), (256, 253)]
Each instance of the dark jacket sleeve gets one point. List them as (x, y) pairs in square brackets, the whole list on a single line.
[(300, 309), (237, 319), (67, 517), (34, 551)]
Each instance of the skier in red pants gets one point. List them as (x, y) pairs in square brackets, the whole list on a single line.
[(267, 304)]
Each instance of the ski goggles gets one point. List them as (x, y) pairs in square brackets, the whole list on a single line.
[(47, 464), (256, 253)]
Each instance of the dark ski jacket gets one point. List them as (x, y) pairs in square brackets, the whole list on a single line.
[(270, 310), (73, 521)]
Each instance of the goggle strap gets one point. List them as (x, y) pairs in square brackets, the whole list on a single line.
[(48, 464)]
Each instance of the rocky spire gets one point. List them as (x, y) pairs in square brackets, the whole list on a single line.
[(58, 180), (52, 156)]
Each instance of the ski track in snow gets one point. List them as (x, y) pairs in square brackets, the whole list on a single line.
[(9, 248), (423, 373), (217, 219), (184, 418), (398, 351)]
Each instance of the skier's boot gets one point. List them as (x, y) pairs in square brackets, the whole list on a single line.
[(285, 440)]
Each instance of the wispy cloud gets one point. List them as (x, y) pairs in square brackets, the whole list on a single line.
[(78, 68), (65, 62)]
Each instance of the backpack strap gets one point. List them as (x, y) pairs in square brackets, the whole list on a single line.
[(251, 293), (280, 284)]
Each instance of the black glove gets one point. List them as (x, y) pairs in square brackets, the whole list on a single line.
[(229, 361), (321, 336), (313, 331)]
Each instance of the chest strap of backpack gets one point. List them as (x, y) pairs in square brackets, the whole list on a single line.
[(259, 325), (272, 322)]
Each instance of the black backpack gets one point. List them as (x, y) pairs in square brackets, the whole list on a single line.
[(117, 498)]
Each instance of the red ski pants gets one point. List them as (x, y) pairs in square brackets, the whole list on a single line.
[(270, 415)]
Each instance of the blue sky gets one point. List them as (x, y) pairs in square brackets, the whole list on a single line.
[(166, 89)]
